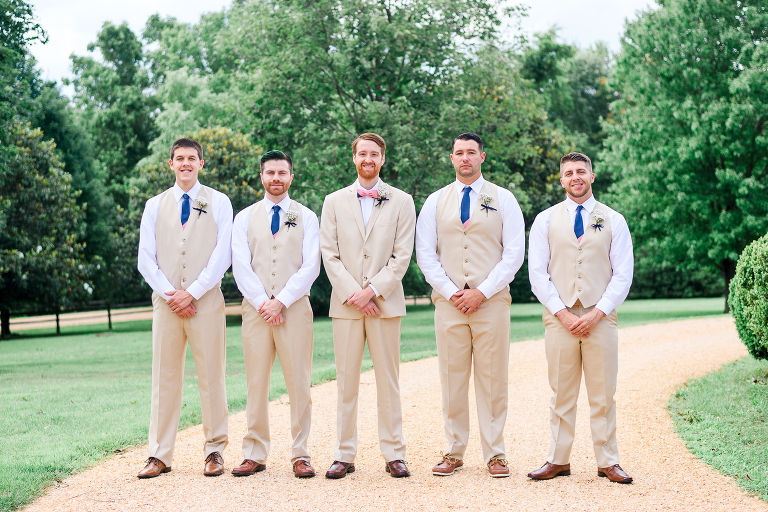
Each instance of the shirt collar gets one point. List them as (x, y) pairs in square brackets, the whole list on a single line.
[(285, 204), (178, 192), (476, 186), (588, 205), (375, 187)]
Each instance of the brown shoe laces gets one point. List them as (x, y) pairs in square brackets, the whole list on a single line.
[(217, 458), (501, 461), (152, 459)]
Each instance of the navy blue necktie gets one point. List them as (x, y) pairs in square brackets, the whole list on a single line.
[(578, 225), (465, 205), (276, 219), (184, 209)]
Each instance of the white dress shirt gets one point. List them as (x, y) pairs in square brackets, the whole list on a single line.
[(366, 208), (621, 256), (299, 283), (221, 257), (512, 238)]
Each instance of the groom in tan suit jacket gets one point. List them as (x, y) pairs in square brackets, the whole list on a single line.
[(366, 239)]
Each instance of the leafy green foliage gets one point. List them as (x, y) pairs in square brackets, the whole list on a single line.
[(41, 257), (749, 297), (687, 143)]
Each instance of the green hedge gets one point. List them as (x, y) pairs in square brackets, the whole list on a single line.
[(749, 297)]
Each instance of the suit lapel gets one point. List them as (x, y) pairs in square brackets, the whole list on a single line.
[(374, 215), (354, 205)]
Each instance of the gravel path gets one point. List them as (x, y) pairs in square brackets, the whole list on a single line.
[(653, 361)]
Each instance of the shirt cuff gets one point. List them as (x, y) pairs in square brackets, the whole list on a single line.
[(485, 289), (196, 290), (375, 291), (606, 306), (555, 305), (285, 298), (258, 301), (449, 290)]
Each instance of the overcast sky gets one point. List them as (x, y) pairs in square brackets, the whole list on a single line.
[(72, 24)]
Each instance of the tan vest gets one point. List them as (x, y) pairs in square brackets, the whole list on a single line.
[(468, 254), (275, 259), (579, 270), (183, 253)]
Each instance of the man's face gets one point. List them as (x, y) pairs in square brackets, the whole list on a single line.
[(186, 165), (368, 159), (467, 158), (577, 180), (276, 177)]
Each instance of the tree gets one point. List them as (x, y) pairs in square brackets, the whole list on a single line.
[(41, 258), (687, 144)]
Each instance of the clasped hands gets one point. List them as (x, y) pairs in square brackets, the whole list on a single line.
[(362, 300), (181, 303), (468, 300), (580, 325), (272, 312)]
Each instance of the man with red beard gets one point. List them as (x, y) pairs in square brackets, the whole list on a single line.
[(580, 264), (366, 239), (275, 260)]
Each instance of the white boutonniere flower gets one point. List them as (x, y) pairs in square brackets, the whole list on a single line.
[(200, 203), (599, 216), (291, 216), (384, 195), (486, 201)]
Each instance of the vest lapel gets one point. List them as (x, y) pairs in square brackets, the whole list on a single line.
[(354, 204)]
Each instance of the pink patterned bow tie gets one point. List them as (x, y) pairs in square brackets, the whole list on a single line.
[(367, 193)]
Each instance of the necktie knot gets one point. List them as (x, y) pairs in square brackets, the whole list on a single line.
[(361, 192)]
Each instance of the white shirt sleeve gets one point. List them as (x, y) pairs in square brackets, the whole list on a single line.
[(148, 250), (622, 263), (247, 281), (426, 249), (221, 258), (513, 241), (299, 283), (538, 263)]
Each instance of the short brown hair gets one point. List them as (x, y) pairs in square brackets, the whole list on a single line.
[(575, 157), (275, 155), (187, 143), (378, 139)]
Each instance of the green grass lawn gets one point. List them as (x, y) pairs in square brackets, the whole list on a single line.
[(70, 401), (723, 419)]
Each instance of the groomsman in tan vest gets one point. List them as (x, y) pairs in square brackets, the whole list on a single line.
[(580, 264), (366, 239), (470, 243), (275, 260), (184, 250)]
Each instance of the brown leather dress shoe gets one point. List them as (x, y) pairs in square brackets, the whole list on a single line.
[(248, 467), (153, 468), (214, 465), (340, 469), (498, 467), (548, 471), (615, 474), (448, 466), (303, 469), (397, 469)]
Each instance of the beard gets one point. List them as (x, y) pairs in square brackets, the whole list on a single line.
[(368, 174), (584, 191), (276, 191)]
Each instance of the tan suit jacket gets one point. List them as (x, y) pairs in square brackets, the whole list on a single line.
[(355, 255)]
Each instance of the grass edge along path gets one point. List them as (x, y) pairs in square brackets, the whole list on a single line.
[(723, 419), (73, 400)]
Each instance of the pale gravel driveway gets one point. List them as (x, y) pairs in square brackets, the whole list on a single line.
[(654, 360)]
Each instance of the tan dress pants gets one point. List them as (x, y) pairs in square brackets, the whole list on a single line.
[(206, 334), (598, 356), (292, 341), (383, 335), (481, 338)]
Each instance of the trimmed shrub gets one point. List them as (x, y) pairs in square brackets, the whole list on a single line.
[(748, 298)]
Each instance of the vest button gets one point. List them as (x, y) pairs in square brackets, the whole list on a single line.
[(184, 280), (183, 253), (466, 275), (576, 276), (579, 290), (466, 261), (274, 261), (580, 248), (466, 246), (273, 274), (273, 287), (579, 263), (183, 266), (183, 239), (465, 232), (365, 256), (365, 278), (274, 248)]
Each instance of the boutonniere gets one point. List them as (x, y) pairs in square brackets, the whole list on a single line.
[(599, 219), (486, 200), (200, 203), (384, 195), (291, 216)]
